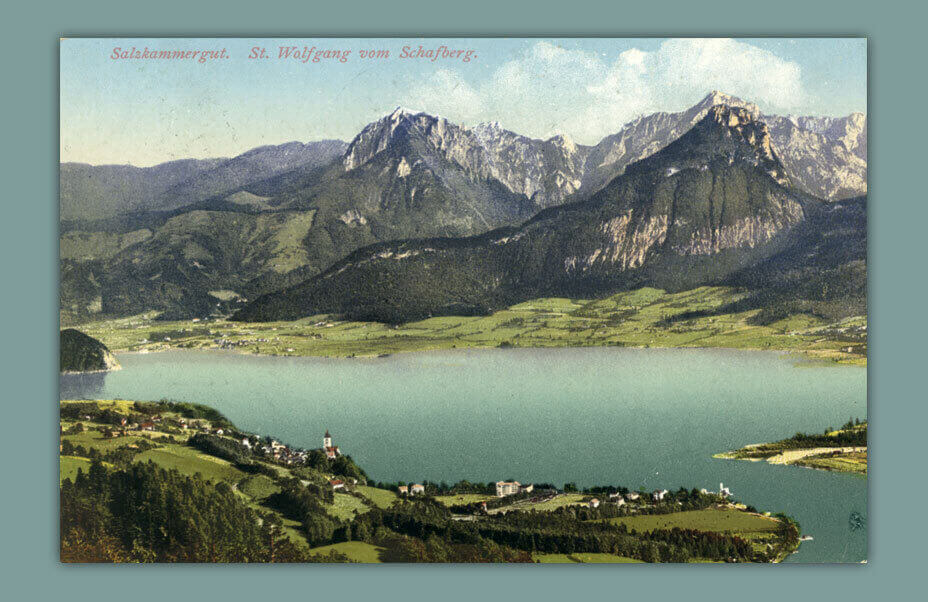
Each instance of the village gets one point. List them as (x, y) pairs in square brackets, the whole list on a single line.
[(264, 473), (503, 497), (158, 425)]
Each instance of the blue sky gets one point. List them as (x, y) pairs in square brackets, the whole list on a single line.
[(145, 112)]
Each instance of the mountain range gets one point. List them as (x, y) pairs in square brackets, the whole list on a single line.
[(184, 236), (709, 207)]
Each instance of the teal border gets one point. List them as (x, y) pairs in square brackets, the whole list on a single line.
[(28, 248)]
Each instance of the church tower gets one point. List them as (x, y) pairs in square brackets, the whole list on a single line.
[(327, 440)]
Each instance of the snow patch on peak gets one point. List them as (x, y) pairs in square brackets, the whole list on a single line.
[(404, 111)]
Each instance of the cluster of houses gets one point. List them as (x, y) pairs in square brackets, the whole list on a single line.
[(657, 496), (287, 455), (616, 498), (414, 489), (271, 449), (723, 491), (224, 343), (277, 450)]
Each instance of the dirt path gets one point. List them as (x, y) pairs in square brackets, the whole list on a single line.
[(792, 455)]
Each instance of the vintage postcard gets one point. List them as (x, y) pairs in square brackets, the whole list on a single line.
[(463, 300)]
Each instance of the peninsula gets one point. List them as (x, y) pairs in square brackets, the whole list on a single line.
[(841, 450)]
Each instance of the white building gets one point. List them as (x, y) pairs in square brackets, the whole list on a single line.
[(617, 499), (504, 488), (331, 451), (416, 489)]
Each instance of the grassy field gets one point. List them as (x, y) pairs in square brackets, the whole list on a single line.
[(190, 461), (568, 499), (716, 520), (463, 498), (345, 506), (258, 486), (120, 406), (632, 319), (355, 550), (95, 440), (855, 462), (382, 498), (70, 466), (583, 559)]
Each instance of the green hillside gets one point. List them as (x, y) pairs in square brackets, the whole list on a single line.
[(137, 485), (81, 353)]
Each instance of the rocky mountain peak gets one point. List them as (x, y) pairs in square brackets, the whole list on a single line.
[(563, 141), (378, 135), (725, 133), (743, 127), (715, 98), (488, 127), (544, 171)]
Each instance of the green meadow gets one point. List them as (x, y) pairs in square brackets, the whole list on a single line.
[(190, 461), (463, 498), (716, 520), (358, 551), (583, 558), (646, 317), (70, 465), (382, 498)]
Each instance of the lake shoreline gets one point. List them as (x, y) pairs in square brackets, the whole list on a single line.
[(817, 454), (641, 319), (489, 414), (198, 442), (803, 357)]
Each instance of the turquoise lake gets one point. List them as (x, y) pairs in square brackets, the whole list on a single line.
[(648, 418)]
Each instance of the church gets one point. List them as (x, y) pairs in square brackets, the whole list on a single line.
[(331, 451)]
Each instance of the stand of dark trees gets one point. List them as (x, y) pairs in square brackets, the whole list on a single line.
[(564, 531), (848, 436), (148, 514)]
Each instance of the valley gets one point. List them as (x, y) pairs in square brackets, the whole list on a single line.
[(642, 318)]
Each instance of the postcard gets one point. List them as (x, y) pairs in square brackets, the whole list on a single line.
[(522, 300)]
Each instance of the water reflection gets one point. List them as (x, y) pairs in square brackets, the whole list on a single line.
[(81, 386)]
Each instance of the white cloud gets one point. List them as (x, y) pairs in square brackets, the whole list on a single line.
[(551, 89), (447, 94)]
